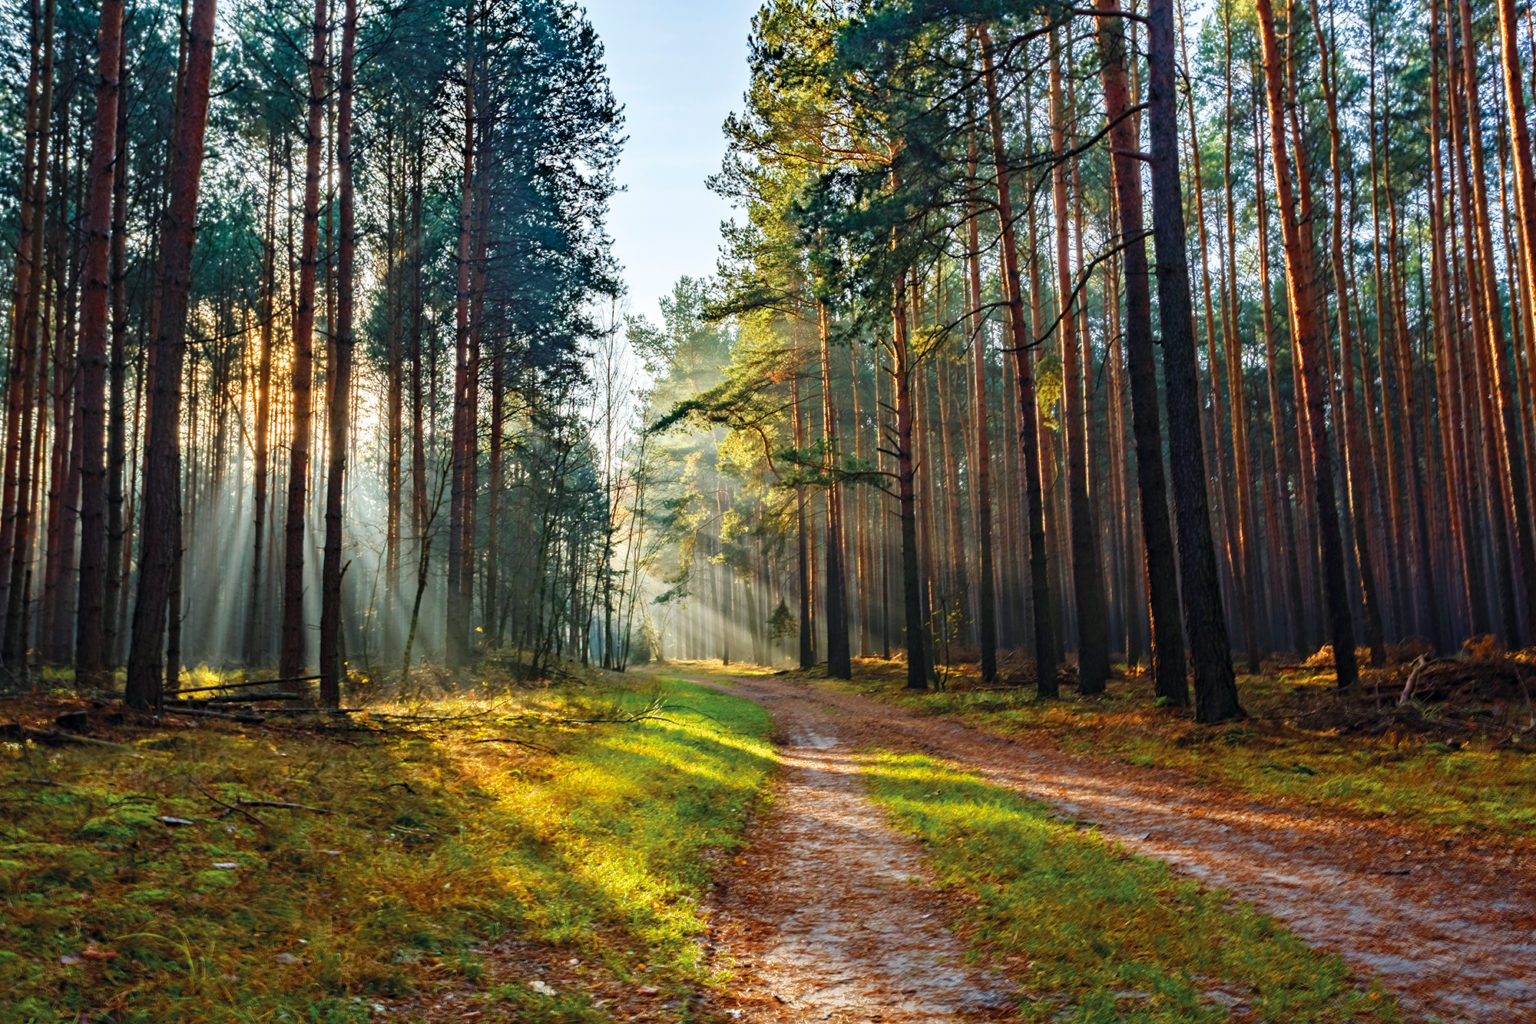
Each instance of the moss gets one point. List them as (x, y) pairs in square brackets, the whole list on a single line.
[(437, 841)]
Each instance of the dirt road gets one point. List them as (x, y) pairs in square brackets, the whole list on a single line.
[(824, 925)]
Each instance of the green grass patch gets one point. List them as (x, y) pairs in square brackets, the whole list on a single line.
[(1101, 935), (1475, 785), (439, 838)]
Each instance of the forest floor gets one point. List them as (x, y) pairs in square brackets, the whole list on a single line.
[(765, 848), (529, 855), (1440, 917)]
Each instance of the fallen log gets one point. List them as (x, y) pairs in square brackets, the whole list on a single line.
[(281, 805), (238, 686), (204, 712)]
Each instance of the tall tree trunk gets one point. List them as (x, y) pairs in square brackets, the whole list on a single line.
[(160, 534), (457, 624), (839, 663), (1525, 195), (339, 363), (1215, 689), (89, 655), (1168, 661), (1505, 460), (117, 451), (1241, 523), (986, 615), (1029, 425), (1447, 393), (1306, 321), (294, 645), (255, 629), (906, 491), (1087, 565), (1354, 454), (803, 530)]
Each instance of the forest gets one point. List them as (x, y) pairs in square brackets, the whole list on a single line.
[(936, 401), (956, 412), (290, 311), (1094, 411)]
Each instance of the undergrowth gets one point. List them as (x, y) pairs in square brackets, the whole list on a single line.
[(1097, 935), (1472, 785), (150, 885)]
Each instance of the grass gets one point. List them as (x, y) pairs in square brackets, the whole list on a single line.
[(439, 841), (1096, 934), (1474, 785)]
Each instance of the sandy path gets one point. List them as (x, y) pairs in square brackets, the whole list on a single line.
[(822, 918), (1449, 927)]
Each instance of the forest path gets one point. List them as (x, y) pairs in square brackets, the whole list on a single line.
[(823, 926), (824, 916)]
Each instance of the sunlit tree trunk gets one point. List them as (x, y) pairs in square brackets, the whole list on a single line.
[(1525, 201), (1305, 319), (1355, 456)]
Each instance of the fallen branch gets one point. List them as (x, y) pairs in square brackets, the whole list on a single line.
[(233, 808), (436, 719), (281, 805), (1413, 679), (314, 711), (241, 686), (204, 712), (53, 737)]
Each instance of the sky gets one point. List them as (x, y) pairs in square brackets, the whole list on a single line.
[(679, 68)]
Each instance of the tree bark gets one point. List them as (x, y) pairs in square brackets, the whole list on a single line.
[(1087, 565), (457, 623), (1525, 193), (839, 662), (294, 645), (986, 615), (906, 492), (1306, 320), (339, 361), (1169, 669), (89, 656), (1029, 424), (1354, 454), (1215, 688), (160, 534)]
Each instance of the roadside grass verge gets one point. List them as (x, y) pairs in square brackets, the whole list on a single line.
[(150, 884), (1099, 935), (1476, 785)]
